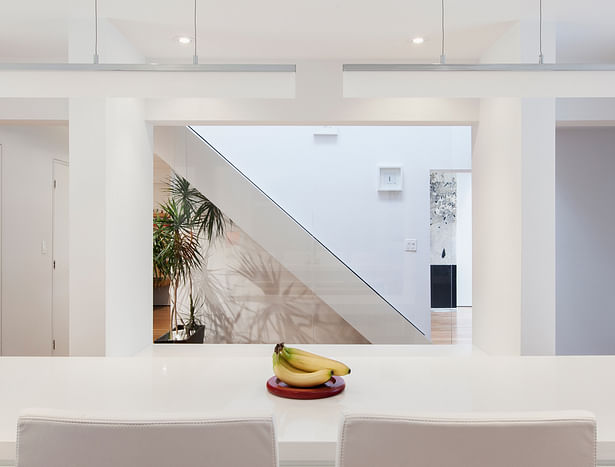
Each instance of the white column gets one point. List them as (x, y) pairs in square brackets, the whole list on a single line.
[(496, 225), (514, 227), (87, 191), (111, 163), (538, 235)]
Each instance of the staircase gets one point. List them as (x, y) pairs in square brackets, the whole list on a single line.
[(284, 238)]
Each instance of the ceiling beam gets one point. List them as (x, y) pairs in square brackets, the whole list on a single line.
[(194, 68)]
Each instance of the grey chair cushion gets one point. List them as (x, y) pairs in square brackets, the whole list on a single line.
[(561, 439), (52, 439)]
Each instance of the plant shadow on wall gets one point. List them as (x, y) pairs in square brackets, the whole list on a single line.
[(252, 298), (279, 316), (280, 310), (180, 224)]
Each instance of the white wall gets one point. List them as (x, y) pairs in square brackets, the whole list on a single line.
[(464, 239), (14, 110), (585, 233), (330, 186), (27, 162), (585, 112)]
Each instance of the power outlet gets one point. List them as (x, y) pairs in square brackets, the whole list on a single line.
[(410, 244)]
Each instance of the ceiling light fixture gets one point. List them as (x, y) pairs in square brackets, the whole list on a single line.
[(185, 40), (418, 40)]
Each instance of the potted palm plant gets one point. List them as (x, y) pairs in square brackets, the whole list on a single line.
[(180, 224)]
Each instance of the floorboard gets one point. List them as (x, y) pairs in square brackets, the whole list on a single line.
[(451, 327)]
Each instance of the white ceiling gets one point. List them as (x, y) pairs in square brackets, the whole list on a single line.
[(292, 30)]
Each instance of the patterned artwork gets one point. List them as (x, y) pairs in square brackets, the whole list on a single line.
[(443, 216)]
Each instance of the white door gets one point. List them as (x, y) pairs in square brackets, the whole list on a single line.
[(60, 258)]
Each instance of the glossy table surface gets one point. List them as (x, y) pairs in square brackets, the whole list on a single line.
[(230, 380)]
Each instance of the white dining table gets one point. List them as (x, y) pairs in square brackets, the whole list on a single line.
[(220, 380)]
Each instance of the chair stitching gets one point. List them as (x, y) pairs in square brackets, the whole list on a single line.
[(17, 443), (273, 446), (342, 445), (120, 423), (472, 421)]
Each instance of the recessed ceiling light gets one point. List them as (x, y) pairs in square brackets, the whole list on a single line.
[(418, 40), (184, 40)]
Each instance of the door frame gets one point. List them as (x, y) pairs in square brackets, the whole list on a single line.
[(53, 252)]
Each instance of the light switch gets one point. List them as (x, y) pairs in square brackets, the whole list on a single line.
[(43, 247), (410, 244)]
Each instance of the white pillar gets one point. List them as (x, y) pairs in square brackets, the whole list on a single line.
[(496, 225), (538, 224), (513, 190), (87, 191), (111, 164)]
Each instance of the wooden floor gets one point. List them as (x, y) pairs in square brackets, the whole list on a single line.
[(162, 320), (447, 327), (451, 327)]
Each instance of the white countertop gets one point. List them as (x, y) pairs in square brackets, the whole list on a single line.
[(230, 379)]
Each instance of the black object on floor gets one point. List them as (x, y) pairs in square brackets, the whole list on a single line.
[(196, 338), (444, 286)]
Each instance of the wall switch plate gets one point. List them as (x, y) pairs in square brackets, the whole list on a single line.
[(43, 247), (410, 244)]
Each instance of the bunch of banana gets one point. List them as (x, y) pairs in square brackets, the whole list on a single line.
[(303, 369)]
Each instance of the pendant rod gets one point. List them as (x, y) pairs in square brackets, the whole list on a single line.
[(96, 57), (443, 50), (195, 57)]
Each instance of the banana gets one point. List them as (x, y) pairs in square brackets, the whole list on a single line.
[(282, 361), (307, 361), (297, 378)]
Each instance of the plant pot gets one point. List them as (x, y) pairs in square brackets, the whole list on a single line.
[(196, 337), (161, 282), (161, 295)]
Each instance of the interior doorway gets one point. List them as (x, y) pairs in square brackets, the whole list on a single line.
[(451, 256), (60, 313)]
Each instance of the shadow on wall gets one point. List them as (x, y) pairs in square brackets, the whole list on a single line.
[(251, 298)]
